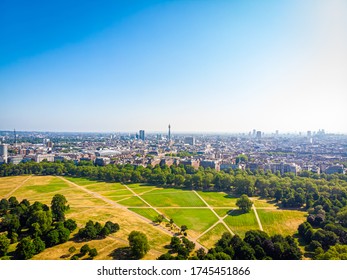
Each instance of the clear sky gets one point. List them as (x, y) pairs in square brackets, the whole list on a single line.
[(202, 66)]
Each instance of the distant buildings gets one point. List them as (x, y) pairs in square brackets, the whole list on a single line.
[(102, 161), (210, 164), (283, 168), (335, 169)]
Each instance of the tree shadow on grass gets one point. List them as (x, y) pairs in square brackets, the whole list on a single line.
[(123, 253), (236, 212)]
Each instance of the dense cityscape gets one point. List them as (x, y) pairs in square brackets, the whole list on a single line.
[(313, 151)]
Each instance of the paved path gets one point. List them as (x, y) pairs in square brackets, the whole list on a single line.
[(16, 188), (220, 220), (257, 217)]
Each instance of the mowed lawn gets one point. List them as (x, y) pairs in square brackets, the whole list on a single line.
[(148, 213), (81, 181), (197, 220), (218, 199), (221, 212), (210, 238), (284, 222), (173, 199), (240, 222)]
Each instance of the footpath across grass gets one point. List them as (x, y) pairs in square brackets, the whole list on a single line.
[(240, 222)]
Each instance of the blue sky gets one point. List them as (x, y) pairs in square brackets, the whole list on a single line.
[(214, 66)]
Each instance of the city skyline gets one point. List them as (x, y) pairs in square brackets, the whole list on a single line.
[(202, 66)]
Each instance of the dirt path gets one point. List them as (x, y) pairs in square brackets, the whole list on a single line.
[(257, 217), (115, 205), (156, 210), (16, 188), (220, 220)]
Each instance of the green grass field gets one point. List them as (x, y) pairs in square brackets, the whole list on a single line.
[(133, 202), (148, 213), (239, 222), (222, 211), (197, 220), (284, 222), (218, 199), (81, 181), (184, 199), (210, 238)]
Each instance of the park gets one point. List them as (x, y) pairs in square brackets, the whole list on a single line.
[(135, 207)]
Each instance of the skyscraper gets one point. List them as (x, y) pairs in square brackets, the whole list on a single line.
[(169, 135), (258, 135), (3, 152), (142, 135)]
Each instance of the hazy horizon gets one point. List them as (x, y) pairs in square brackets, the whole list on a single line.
[(202, 66)]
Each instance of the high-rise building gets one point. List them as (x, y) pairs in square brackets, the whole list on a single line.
[(169, 135), (3, 152), (190, 140), (142, 135), (258, 134)]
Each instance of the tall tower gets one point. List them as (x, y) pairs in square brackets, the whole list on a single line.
[(169, 136), (15, 138)]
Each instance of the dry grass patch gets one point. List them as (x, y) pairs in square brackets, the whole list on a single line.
[(283, 222), (258, 202), (7, 184)]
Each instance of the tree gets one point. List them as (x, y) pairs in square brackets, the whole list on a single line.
[(4, 244), (138, 243), (84, 249), (93, 253), (244, 203), (42, 218), (52, 238), (59, 207), (39, 245), (158, 219), (70, 225), (26, 249), (337, 252), (342, 217)]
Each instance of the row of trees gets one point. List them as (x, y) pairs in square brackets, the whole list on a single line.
[(96, 230), (256, 245), (288, 190)]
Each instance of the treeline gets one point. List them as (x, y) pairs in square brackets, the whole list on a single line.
[(288, 190), (256, 245)]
